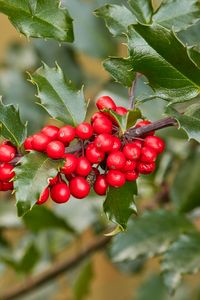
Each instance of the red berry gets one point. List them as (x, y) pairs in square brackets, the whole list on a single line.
[(43, 197), (97, 115), (130, 165), (28, 143), (148, 155), (53, 180), (79, 187), (104, 142), (6, 172), (7, 153), (132, 151), (101, 185), (93, 154), (115, 178), (55, 150), (116, 144), (116, 160), (120, 110), (70, 164), (139, 143), (83, 167), (50, 131), (66, 134), (6, 186), (146, 168), (144, 123), (105, 102), (60, 192), (155, 142), (102, 125), (40, 142), (131, 175), (84, 131)]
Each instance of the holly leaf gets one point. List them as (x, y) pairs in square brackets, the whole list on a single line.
[(189, 121), (11, 126), (58, 96), (186, 196), (48, 219), (142, 9), (38, 19), (182, 257), (149, 235), (31, 179), (119, 204)]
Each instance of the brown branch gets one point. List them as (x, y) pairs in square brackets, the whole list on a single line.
[(33, 283)]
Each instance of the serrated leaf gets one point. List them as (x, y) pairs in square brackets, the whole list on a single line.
[(178, 14), (44, 19), (117, 18), (163, 59), (119, 204), (121, 70), (149, 235), (189, 121), (182, 257), (47, 219), (142, 9), (58, 96), (11, 126), (31, 179), (184, 191)]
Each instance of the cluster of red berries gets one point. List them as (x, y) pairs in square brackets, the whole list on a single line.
[(103, 158), (7, 155)]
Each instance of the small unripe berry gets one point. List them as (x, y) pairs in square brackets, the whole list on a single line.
[(70, 164), (7, 153), (100, 185), (93, 154), (130, 165), (28, 143), (105, 102), (102, 125), (145, 168), (60, 192), (40, 142), (115, 178), (79, 187), (66, 134), (155, 142), (104, 142), (43, 197), (55, 150), (132, 151), (148, 155), (131, 175), (83, 167), (116, 160), (50, 131), (84, 131), (6, 172), (120, 110)]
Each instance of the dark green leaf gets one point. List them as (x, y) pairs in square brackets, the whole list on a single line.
[(194, 54), (32, 177), (185, 188), (58, 96), (149, 235), (83, 282), (189, 121), (190, 36), (142, 9), (119, 204), (162, 58), (121, 70), (42, 218), (11, 126), (182, 257), (39, 18)]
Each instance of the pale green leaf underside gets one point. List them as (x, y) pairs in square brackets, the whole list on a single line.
[(37, 18), (58, 96)]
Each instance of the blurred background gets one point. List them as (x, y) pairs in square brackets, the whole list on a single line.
[(28, 249)]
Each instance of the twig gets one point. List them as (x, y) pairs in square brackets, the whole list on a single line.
[(32, 283), (132, 91)]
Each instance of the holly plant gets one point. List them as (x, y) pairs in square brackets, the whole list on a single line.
[(118, 149)]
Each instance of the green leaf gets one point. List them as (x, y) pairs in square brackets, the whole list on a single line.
[(149, 235), (163, 59), (185, 188), (117, 18), (142, 9), (31, 179), (37, 18), (11, 126), (83, 282), (58, 96), (119, 204), (182, 257), (189, 121), (178, 14), (47, 219), (121, 70)]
